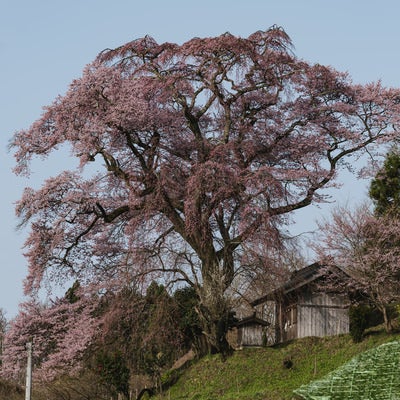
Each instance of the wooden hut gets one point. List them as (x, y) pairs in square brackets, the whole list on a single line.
[(249, 332), (301, 307)]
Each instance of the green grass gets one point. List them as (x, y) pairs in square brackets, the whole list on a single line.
[(259, 374)]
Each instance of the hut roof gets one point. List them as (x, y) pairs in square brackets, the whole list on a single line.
[(301, 278), (252, 320)]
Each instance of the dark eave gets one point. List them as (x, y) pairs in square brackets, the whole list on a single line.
[(252, 320)]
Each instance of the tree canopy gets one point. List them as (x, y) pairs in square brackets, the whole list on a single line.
[(201, 150)]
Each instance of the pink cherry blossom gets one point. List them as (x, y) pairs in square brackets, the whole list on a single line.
[(199, 147)]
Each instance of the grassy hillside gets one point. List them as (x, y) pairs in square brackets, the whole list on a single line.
[(252, 374)]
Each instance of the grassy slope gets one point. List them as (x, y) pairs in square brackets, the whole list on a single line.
[(253, 374)]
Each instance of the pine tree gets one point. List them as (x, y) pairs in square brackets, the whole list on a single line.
[(385, 187)]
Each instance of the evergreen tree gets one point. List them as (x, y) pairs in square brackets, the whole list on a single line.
[(385, 187)]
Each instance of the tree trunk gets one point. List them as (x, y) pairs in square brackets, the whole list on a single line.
[(214, 314), (215, 327), (387, 320)]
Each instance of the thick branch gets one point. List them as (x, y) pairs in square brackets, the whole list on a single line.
[(111, 216)]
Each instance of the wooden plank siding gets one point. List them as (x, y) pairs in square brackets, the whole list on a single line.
[(302, 308), (250, 331), (250, 335), (322, 315), (313, 314)]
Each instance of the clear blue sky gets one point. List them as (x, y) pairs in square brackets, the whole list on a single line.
[(44, 45)]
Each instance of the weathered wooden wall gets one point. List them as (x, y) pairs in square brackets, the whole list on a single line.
[(305, 311), (321, 314), (251, 335)]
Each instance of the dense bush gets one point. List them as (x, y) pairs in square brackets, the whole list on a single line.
[(360, 317), (188, 320), (112, 369), (10, 391)]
